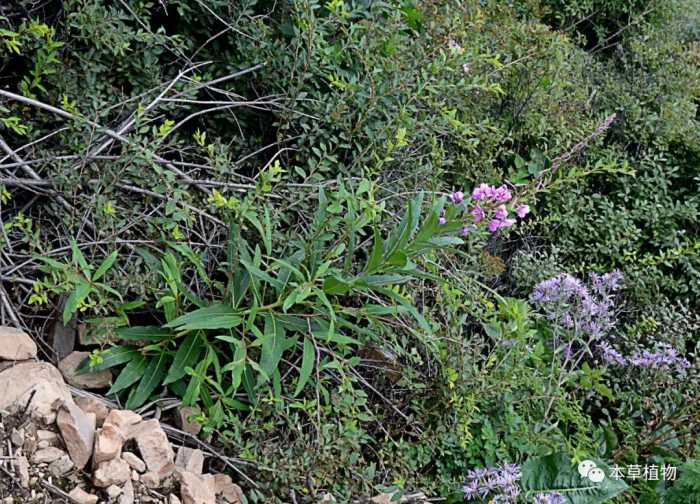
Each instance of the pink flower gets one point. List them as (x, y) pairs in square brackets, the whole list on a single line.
[(457, 197), (442, 221), (507, 223), (522, 210), (501, 212), (494, 225), (478, 213), (502, 194), (483, 191)]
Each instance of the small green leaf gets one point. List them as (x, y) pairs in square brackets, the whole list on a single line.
[(152, 377), (138, 333), (104, 267), (186, 356), (114, 356), (307, 365), (216, 316), (129, 375)]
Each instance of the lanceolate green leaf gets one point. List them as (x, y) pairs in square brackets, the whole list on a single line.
[(73, 302), (307, 365), (187, 354), (104, 267), (130, 374), (137, 333), (152, 377), (116, 355), (216, 316)]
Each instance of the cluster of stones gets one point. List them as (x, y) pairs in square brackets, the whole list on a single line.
[(82, 434)]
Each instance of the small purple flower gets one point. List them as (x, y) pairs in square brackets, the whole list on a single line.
[(478, 213), (471, 489), (442, 221), (502, 194), (483, 191), (494, 224), (457, 197), (465, 230), (522, 210), (610, 355), (501, 212), (549, 498)]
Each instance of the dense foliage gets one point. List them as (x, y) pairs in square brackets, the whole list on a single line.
[(379, 245)]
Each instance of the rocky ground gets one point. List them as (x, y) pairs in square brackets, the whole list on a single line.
[(60, 448)]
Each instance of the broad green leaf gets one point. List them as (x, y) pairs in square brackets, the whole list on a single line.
[(261, 275), (186, 356), (378, 310), (116, 355), (104, 267), (216, 316), (129, 375), (307, 365), (273, 345), (375, 257), (336, 286), (138, 333), (79, 258), (152, 377), (82, 290), (555, 473)]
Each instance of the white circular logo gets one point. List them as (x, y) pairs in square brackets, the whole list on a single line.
[(596, 475), (585, 467)]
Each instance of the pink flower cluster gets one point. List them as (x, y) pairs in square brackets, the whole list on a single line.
[(495, 198), (491, 207)]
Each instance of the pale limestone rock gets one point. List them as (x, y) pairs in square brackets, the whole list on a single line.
[(194, 490), (21, 465), (108, 444), (17, 437), (154, 446), (47, 455), (136, 463), (61, 466), (47, 436), (80, 496), (92, 405), (111, 472), (150, 479), (113, 491), (91, 380), (78, 431), (127, 496), (16, 345), (124, 420), (190, 459), (225, 487), (184, 414), (38, 381)]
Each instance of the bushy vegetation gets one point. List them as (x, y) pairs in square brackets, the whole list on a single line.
[(378, 245)]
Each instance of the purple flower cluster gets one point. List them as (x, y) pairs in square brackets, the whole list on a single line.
[(549, 498), (666, 357), (499, 483), (569, 303), (490, 208), (610, 355)]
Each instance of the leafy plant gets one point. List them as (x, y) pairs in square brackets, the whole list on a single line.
[(312, 307), (555, 473)]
